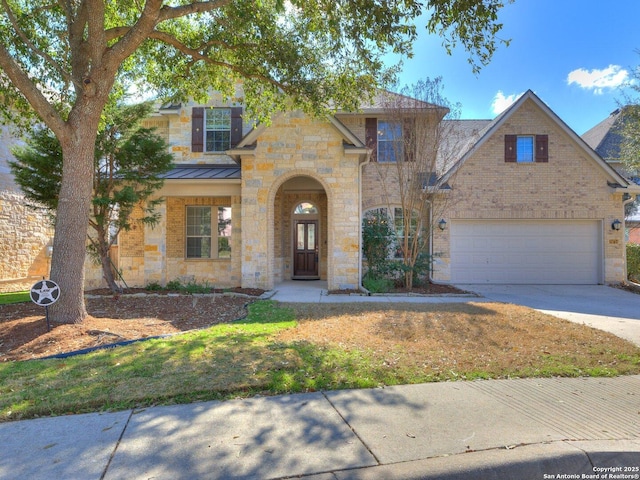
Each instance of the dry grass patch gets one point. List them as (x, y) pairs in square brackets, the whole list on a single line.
[(464, 340)]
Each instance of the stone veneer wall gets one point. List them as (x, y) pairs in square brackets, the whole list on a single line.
[(570, 186), (296, 145), (24, 233)]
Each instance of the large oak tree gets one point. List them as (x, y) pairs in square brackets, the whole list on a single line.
[(60, 60)]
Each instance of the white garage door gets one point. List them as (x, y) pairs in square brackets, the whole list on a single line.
[(536, 251)]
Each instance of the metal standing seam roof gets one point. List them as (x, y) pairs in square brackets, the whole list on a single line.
[(203, 172)]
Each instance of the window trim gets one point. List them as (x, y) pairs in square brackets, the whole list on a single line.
[(525, 149), (189, 236), (214, 233), (210, 111), (393, 151)]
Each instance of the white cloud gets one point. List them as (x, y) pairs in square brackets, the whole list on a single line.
[(613, 76), (501, 102)]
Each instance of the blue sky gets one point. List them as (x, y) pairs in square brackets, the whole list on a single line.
[(576, 55)]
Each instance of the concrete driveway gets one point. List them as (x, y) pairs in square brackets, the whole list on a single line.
[(599, 306)]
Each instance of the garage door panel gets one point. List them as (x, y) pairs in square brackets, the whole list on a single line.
[(526, 252)]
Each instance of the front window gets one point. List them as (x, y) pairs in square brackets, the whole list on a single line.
[(389, 141), (224, 232), (390, 222), (524, 149), (217, 129), (201, 237)]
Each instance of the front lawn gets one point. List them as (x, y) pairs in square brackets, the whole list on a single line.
[(282, 348)]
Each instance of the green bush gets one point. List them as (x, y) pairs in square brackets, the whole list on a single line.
[(377, 284), (376, 241), (153, 287), (633, 261), (174, 285), (189, 288)]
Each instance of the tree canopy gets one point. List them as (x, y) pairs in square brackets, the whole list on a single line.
[(62, 61)]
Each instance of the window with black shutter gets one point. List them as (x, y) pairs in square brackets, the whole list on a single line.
[(215, 130), (526, 148), (197, 129)]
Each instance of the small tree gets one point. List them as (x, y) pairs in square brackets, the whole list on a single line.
[(376, 241), (129, 163), (420, 145)]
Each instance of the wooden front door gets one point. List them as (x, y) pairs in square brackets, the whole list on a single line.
[(305, 255)]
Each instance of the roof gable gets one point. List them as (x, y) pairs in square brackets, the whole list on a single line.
[(493, 127), (347, 136)]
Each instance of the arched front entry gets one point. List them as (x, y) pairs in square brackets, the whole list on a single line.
[(300, 230)]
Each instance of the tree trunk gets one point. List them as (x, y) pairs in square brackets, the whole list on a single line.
[(72, 220), (107, 270)]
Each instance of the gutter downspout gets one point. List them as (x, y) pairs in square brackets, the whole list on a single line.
[(360, 211)]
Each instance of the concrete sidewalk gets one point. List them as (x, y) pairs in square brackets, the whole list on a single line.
[(496, 429)]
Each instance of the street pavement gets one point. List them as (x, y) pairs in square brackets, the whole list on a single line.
[(488, 429)]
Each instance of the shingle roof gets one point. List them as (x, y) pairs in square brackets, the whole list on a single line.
[(605, 138), (203, 172)]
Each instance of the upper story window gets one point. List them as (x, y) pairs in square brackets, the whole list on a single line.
[(526, 148), (389, 141), (215, 130), (217, 126)]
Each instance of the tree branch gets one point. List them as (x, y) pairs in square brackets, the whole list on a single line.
[(34, 96), (168, 13), (196, 54), (47, 58)]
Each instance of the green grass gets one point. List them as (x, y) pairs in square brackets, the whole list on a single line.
[(15, 297), (250, 357)]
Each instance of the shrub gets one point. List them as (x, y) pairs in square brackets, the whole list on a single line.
[(153, 287), (376, 241), (174, 285), (377, 284), (633, 261)]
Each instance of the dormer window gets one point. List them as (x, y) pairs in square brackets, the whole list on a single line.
[(526, 148)]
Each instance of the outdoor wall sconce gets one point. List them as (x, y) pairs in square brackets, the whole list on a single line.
[(49, 251), (616, 225), (442, 224)]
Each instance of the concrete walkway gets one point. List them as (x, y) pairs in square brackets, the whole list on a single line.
[(498, 429)]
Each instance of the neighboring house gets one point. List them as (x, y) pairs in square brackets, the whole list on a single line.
[(605, 138), (24, 233), (528, 201)]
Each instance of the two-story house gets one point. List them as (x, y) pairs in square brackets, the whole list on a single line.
[(527, 200)]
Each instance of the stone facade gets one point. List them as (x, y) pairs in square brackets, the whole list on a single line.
[(24, 233), (324, 162), (298, 147)]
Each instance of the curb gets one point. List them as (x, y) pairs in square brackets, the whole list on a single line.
[(599, 460)]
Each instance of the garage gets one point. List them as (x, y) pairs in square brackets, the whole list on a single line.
[(526, 252)]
